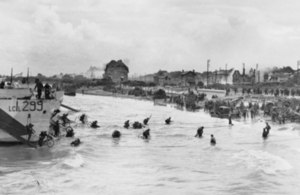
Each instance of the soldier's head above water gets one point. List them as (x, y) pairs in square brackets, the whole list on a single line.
[(146, 134), (76, 142), (116, 134), (213, 140)]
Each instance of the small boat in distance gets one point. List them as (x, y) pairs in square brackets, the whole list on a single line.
[(70, 91)]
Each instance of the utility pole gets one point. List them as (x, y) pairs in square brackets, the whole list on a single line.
[(256, 73), (244, 73), (226, 73), (216, 75), (208, 61), (298, 63), (11, 76)]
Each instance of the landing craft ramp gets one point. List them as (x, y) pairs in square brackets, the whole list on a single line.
[(14, 128)]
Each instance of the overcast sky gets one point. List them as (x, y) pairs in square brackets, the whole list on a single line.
[(69, 36)]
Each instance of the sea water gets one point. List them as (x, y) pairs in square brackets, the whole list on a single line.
[(173, 161)]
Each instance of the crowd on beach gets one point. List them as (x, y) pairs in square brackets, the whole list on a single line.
[(264, 91), (222, 108), (189, 100), (234, 109)]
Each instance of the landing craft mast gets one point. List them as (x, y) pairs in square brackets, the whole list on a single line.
[(207, 73), (226, 73), (298, 63)]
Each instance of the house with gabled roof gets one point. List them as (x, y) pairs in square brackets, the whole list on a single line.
[(117, 71), (188, 78), (162, 77)]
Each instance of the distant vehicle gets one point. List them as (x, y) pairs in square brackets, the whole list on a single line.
[(70, 91), (222, 112)]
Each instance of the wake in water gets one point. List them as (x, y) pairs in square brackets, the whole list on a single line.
[(75, 161), (263, 161)]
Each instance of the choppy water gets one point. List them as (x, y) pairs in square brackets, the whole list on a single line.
[(172, 162)]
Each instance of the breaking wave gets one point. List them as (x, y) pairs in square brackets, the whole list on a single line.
[(264, 161)]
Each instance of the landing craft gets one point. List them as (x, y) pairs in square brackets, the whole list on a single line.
[(19, 107)]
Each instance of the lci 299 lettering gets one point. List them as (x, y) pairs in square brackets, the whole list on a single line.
[(28, 106)]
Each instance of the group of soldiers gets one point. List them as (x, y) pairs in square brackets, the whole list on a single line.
[(265, 91), (234, 109), (189, 101), (280, 114)]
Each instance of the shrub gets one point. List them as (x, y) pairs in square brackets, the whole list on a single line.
[(160, 94)]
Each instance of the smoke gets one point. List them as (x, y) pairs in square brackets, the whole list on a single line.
[(269, 69), (94, 72)]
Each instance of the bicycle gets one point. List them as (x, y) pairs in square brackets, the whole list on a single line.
[(49, 141)]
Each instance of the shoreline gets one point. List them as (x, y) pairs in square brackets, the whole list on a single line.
[(161, 102), (117, 95)]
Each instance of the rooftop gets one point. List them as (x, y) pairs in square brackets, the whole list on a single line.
[(116, 64)]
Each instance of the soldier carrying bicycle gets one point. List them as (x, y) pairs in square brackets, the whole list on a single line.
[(29, 130), (45, 138)]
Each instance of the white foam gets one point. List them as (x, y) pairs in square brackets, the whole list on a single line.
[(76, 161), (285, 132), (296, 149), (263, 161), (45, 163)]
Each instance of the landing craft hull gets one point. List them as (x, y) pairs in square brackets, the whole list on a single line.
[(17, 93), (24, 111)]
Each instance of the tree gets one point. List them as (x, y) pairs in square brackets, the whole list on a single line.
[(39, 75), (266, 76), (24, 80), (200, 84), (67, 77), (159, 94), (285, 69)]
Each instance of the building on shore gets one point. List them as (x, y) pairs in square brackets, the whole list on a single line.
[(117, 71), (251, 78), (279, 77), (200, 79), (188, 78), (223, 76), (162, 78), (218, 76), (146, 78)]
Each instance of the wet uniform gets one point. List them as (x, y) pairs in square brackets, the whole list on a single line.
[(199, 132), (168, 121), (146, 121), (213, 140)]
